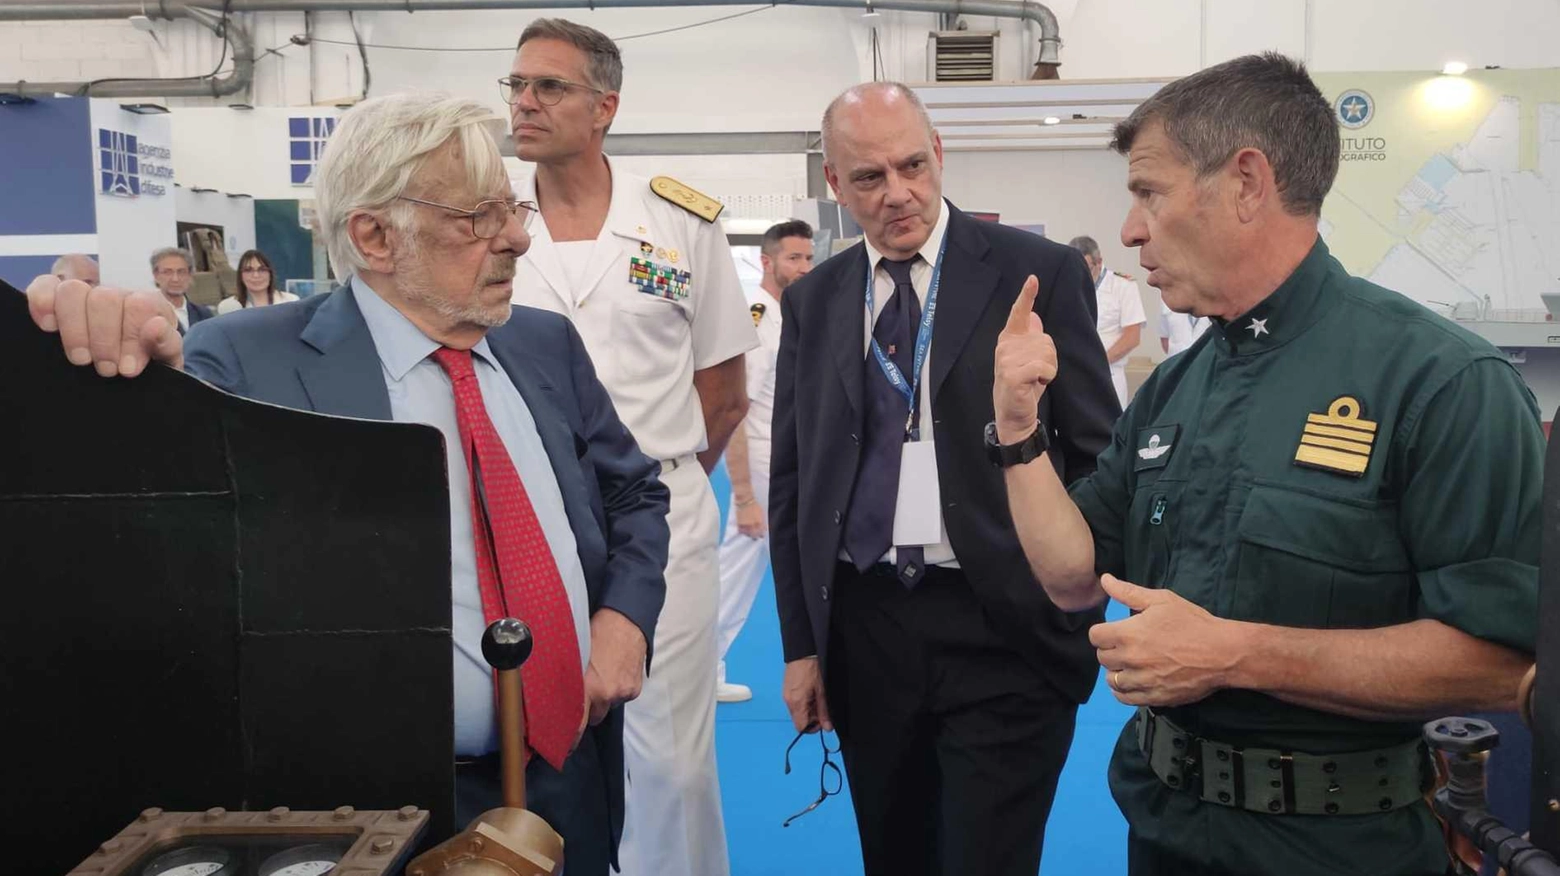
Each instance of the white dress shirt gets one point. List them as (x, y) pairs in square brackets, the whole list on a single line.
[(941, 553)]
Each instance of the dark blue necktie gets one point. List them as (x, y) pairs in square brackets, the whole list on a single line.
[(869, 525)]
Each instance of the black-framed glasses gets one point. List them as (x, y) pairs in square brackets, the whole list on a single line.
[(488, 218), (830, 780), (549, 90)]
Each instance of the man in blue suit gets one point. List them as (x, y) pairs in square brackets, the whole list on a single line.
[(416, 208)]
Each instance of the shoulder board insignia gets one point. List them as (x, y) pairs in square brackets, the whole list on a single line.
[(757, 309), (700, 205), (1338, 441)]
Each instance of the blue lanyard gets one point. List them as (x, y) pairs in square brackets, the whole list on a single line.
[(923, 342)]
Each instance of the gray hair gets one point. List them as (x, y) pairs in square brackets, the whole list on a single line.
[(603, 60), (71, 262), (1265, 102), (1085, 245), (858, 93), (173, 252), (379, 147)]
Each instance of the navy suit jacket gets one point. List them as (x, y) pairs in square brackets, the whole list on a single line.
[(820, 408), (318, 355)]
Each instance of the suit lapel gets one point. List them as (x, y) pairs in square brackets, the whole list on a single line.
[(346, 379), (846, 313), (967, 286), (557, 435)]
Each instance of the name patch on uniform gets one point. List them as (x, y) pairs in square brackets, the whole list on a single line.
[(1154, 445), (659, 280), (1338, 441), (757, 309)]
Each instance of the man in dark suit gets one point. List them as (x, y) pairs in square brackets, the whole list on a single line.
[(172, 272), (910, 620), (556, 516)]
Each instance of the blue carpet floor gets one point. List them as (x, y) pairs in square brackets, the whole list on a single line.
[(1086, 833)]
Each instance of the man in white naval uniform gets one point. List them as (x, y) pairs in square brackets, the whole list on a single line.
[(646, 275), (787, 255)]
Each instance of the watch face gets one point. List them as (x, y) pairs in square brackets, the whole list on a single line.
[(311, 860), (192, 861)]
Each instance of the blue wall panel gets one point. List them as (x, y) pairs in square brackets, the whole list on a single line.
[(46, 168), (20, 270)]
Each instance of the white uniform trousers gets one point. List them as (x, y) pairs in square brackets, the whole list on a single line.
[(743, 562), (673, 824)]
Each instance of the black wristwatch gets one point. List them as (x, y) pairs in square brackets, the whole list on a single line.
[(1025, 451)]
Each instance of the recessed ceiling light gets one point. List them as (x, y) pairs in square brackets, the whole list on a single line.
[(1454, 68), (1052, 120)]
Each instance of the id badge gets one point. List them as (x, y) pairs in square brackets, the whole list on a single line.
[(918, 509)]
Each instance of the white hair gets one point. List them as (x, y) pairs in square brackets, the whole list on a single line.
[(379, 147)]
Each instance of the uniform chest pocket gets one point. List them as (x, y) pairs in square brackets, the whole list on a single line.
[(1110, 313), (1306, 560), (1153, 520), (648, 332)]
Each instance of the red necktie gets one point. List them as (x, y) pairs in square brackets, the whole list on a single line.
[(524, 581)]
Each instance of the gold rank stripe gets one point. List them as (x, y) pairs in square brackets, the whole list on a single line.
[(1335, 443), (1341, 422), (1333, 460)]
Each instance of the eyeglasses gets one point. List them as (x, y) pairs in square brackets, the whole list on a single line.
[(548, 90), (256, 269), (488, 218), (172, 272), (830, 780)]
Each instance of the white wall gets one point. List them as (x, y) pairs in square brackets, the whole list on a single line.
[(239, 151), (1073, 192), (774, 69), (130, 229)]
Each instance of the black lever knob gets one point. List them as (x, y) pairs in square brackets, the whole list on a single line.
[(507, 643), (1461, 735)]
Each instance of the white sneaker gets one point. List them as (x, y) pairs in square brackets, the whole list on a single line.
[(726, 692)]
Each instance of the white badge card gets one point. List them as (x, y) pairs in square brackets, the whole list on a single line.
[(918, 510)]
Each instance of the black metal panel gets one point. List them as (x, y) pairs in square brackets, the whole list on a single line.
[(211, 602)]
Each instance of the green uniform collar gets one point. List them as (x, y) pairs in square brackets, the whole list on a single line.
[(1282, 316)]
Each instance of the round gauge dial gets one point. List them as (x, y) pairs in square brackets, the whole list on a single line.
[(190, 861), (311, 860)]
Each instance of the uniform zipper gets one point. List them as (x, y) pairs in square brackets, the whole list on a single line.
[(1158, 516)]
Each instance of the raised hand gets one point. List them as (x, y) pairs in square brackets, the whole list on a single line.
[(1025, 366)]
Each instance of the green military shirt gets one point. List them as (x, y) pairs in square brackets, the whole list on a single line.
[(1338, 457)]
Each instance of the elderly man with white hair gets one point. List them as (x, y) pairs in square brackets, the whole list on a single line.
[(555, 514), (77, 266)]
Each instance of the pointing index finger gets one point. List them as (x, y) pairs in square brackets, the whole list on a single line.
[(1023, 306)]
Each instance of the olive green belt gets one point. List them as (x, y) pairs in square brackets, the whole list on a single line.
[(1285, 782)]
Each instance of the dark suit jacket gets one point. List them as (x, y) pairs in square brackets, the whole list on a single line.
[(819, 405), (318, 355), (198, 312)]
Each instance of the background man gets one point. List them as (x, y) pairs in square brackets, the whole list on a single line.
[(786, 255), (1120, 313), (77, 266), (171, 271)]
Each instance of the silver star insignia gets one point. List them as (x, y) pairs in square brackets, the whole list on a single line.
[(1258, 328), (1354, 109)]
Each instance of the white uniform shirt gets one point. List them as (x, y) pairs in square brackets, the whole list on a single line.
[(1180, 329), (646, 346), (1120, 307), (765, 310), (940, 554)]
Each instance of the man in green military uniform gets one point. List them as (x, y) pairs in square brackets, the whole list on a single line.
[(1327, 509)]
